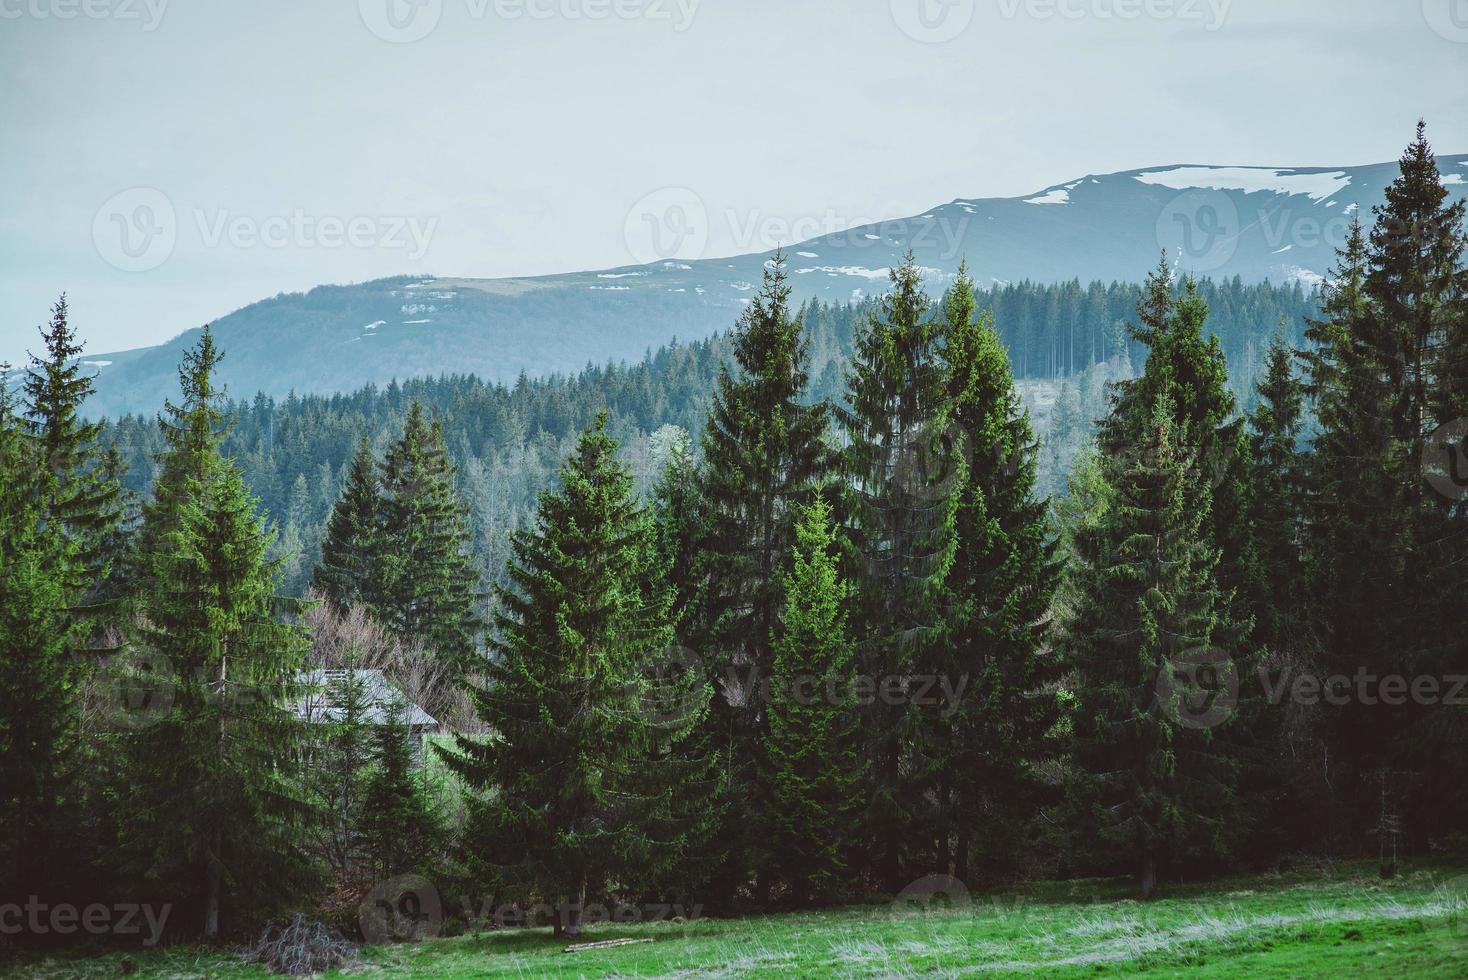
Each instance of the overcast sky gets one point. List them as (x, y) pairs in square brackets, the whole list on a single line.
[(168, 161)]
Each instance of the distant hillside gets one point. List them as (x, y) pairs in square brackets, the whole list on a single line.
[(1259, 224)]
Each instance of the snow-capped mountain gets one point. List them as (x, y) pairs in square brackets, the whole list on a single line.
[(1258, 223)]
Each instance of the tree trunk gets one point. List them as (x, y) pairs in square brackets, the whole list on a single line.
[(211, 904), (1147, 879), (573, 913)]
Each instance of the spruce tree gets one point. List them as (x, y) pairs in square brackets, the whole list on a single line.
[(427, 576), (1152, 777), (400, 831), (814, 769), (762, 449), (39, 672), (340, 762), (1384, 377), (904, 465), (1002, 583), (576, 797), (350, 559), (1276, 598), (211, 809), (79, 489)]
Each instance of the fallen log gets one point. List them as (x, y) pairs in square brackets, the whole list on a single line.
[(604, 944)]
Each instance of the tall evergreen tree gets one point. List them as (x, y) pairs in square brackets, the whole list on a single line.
[(348, 572), (1276, 598), (579, 799), (814, 765), (763, 448), (400, 830), (1384, 547), (425, 566), (904, 466), (39, 675), (212, 808), (1157, 788), (80, 490), (1002, 583)]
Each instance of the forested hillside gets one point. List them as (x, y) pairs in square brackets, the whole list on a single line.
[(777, 620), (508, 440)]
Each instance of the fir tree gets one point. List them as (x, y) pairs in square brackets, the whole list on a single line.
[(349, 567), (1002, 583), (400, 831), (39, 675), (425, 567), (813, 747), (80, 491), (1154, 781), (762, 449), (904, 466), (212, 808), (1276, 597), (578, 797), (341, 761)]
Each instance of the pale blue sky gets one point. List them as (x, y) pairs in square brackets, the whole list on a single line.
[(281, 144)]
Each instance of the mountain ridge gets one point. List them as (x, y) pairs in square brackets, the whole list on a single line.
[(1257, 223)]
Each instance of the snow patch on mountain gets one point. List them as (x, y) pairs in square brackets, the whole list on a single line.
[(1250, 180), (1058, 195)]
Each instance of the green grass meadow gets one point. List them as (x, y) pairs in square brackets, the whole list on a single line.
[(1335, 922)]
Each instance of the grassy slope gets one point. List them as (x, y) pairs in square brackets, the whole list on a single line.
[(1285, 925)]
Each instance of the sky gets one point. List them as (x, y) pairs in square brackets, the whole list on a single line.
[(165, 162)]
